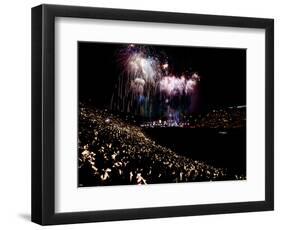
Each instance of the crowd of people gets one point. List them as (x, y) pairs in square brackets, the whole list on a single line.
[(227, 118), (114, 152)]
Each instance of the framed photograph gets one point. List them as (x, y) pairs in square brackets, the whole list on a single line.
[(142, 114)]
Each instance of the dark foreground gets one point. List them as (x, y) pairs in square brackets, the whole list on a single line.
[(223, 148), (112, 152)]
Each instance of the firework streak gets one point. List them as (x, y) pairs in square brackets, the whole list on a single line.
[(147, 88)]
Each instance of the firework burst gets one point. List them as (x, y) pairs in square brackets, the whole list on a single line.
[(145, 82)]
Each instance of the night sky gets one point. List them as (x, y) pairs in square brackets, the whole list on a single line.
[(222, 72)]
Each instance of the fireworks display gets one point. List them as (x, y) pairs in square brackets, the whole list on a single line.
[(147, 87), (146, 117)]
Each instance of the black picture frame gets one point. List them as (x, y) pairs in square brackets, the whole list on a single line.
[(43, 110)]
